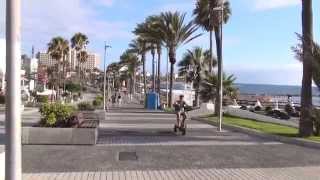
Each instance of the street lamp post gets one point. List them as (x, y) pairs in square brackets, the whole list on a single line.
[(13, 92), (105, 76), (220, 66)]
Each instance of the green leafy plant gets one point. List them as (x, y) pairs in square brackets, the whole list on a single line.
[(42, 99), (72, 87), (55, 114), (98, 101)]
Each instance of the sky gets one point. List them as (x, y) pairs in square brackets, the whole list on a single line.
[(257, 39)]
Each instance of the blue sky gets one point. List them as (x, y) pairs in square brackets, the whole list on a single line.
[(257, 39)]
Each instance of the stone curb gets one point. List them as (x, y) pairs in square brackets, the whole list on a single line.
[(287, 140)]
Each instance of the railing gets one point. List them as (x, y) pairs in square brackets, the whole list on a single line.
[(281, 104)]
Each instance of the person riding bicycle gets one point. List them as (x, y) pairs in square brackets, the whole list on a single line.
[(180, 109)]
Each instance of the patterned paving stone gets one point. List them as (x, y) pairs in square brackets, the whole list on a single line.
[(294, 173)]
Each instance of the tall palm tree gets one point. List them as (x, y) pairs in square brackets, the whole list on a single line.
[(113, 70), (209, 84), (82, 58), (131, 60), (79, 41), (141, 47), (195, 64), (209, 19), (173, 32), (159, 52), (58, 48), (151, 34), (153, 54), (306, 124)]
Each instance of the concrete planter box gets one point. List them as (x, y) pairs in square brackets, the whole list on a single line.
[(62, 136), (59, 136)]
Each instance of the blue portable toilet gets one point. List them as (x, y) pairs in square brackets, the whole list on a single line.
[(153, 101)]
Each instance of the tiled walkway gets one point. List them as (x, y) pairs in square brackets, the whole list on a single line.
[(162, 154), (299, 173)]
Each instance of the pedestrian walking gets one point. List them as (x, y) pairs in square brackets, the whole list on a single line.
[(119, 100)]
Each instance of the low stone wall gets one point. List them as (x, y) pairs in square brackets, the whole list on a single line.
[(251, 115), (2, 163), (63, 136), (59, 136), (205, 109)]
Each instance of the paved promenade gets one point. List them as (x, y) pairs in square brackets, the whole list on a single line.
[(138, 144)]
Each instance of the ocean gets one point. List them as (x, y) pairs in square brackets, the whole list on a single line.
[(277, 91)]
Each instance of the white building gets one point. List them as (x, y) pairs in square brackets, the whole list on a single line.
[(92, 62)]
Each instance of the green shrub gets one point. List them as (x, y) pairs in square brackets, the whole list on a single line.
[(99, 98), (51, 119), (268, 109), (72, 87), (55, 114), (85, 106), (316, 121), (2, 99), (98, 101), (42, 99)]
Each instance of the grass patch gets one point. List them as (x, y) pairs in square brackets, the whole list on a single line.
[(269, 128), (168, 110)]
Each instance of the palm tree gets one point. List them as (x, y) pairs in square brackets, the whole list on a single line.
[(153, 54), (151, 35), (209, 84), (141, 47), (58, 48), (131, 60), (306, 124), (113, 70), (82, 58), (173, 32), (209, 19), (195, 65), (159, 52), (79, 41)]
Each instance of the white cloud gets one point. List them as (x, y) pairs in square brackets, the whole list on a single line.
[(43, 19), (274, 4)]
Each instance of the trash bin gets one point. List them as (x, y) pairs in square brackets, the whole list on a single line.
[(153, 101)]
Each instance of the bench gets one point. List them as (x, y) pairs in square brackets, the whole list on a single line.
[(87, 119)]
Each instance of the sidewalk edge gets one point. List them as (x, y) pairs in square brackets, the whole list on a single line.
[(287, 140)]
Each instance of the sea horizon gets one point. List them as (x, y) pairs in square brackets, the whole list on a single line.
[(273, 89)]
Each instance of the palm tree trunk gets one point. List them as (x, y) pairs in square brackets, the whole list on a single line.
[(64, 74), (171, 85), (153, 73), (306, 123), (211, 53), (143, 59), (134, 82), (219, 55), (159, 73), (197, 102), (172, 57)]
